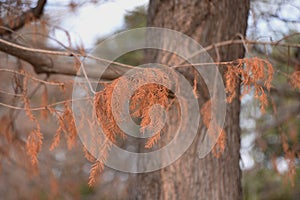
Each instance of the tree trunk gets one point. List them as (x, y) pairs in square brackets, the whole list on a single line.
[(207, 22)]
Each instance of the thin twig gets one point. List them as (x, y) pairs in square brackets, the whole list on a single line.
[(210, 47), (31, 77), (46, 106), (61, 53)]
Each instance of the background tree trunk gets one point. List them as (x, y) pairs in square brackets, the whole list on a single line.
[(207, 22)]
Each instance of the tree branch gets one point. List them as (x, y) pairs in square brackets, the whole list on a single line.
[(37, 60), (63, 62), (18, 22)]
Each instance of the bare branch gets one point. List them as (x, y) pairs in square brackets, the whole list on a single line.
[(276, 16)]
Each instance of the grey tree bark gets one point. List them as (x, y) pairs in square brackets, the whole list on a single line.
[(208, 22)]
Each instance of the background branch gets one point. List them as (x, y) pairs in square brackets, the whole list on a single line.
[(18, 22)]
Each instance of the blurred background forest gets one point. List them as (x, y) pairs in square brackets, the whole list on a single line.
[(268, 170)]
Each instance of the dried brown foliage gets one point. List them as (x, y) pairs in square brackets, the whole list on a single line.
[(289, 155), (217, 133), (141, 103), (88, 155), (97, 168), (26, 100), (67, 125), (206, 113), (34, 144), (104, 113), (295, 79), (255, 73)]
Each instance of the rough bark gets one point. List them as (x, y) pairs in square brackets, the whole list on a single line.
[(207, 22)]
